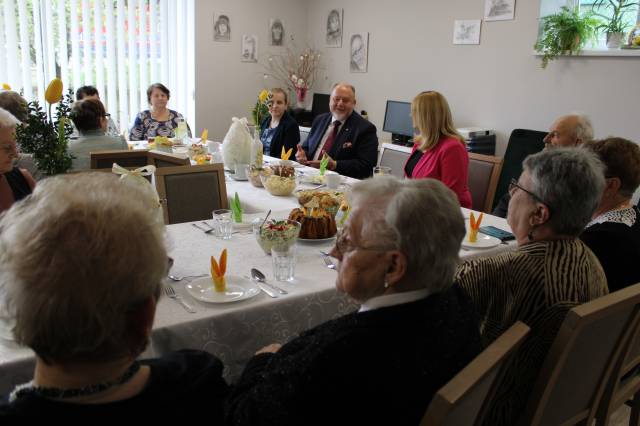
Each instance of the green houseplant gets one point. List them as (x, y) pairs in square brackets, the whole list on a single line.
[(614, 25), (47, 138), (565, 33)]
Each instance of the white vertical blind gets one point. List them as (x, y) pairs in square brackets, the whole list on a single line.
[(111, 94), (48, 25), (123, 100), (11, 39), (75, 45), (133, 54), (63, 54), (86, 43), (153, 34), (25, 51), (142, 55), (119, 46), (40, 76), (98, 49)]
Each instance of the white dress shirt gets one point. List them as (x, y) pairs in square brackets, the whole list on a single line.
[(393, 299)]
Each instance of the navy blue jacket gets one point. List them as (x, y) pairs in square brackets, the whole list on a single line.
[(287, 134), (355, 148)]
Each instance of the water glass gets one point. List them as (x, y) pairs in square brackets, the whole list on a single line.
[(284, 262), (224, 224), (381, 170)]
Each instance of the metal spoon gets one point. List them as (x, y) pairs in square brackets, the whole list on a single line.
[(174, 278), (259, 276), (206, 231), (263, 222)]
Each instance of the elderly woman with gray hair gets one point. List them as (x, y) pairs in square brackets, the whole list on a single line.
[(81, 267), (413, 332), (15, 183), (549, 273)]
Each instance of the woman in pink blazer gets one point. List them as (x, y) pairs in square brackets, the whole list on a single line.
[(439, 151)]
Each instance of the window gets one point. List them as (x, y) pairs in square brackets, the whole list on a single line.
[(630, 17), (118, 46)]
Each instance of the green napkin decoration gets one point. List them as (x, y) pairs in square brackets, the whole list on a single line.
[(236, 209), (323, 164)]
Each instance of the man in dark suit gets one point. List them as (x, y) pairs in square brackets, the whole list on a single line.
[(349, 140)]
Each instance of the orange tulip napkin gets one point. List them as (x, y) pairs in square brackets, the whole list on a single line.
[(474, 226), (218, 270), (285, 155)]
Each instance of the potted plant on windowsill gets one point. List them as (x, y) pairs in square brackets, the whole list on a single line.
[(565, 33), (614, 25)]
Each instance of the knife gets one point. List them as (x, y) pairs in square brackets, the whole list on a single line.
[(264, 288)]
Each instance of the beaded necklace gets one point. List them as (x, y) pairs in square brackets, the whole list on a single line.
[(57, 393)]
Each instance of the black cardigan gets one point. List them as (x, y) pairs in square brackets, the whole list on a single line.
[(287, 134), (375, 367)]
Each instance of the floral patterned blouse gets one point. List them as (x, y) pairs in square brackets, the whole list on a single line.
[(146, 126)]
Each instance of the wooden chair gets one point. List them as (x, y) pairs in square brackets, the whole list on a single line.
[(464, 400), (484, 171), (624, 383), (124, 158), (394, 156), (574, 377), (191, 193), (165, 159)]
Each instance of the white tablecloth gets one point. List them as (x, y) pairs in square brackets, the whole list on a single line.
[(234, 331)]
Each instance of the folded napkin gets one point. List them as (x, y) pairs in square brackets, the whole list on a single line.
[(218, 269), (323, 164), (236, 209)]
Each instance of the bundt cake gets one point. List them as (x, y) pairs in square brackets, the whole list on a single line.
[(316, 223)]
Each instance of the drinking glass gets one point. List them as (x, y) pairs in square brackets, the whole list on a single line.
[(224, 225), (381, 170), (284, 262)]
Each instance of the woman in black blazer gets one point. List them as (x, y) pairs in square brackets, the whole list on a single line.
[(279, 129)]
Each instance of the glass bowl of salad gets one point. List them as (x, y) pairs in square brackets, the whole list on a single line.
[(275, 233)]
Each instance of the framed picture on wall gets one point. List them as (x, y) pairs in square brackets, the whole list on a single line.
[(334, 28), (466, 31), (359, 52), (221, 28), (249, 48), (276, 32), (499, 10)]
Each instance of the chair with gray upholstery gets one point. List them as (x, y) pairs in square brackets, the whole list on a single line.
[(165, 159), (124, 158), (190, 193)]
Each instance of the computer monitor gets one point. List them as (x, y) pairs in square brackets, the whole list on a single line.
[(320, 104), (397, 121)]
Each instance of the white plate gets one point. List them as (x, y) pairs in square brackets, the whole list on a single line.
[(317, 241), (238, 288), (484, 241)]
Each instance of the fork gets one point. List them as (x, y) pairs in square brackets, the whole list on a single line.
[(171, 294), (329, 263), (206, 231)]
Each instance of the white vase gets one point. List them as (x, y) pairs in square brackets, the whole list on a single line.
[(614, 40)]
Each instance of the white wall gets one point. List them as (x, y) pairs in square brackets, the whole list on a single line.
[(226, 87), (498, 84)]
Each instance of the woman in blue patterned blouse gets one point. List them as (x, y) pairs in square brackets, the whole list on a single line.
[(157, 121)]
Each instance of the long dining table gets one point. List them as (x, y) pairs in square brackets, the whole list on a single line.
[(234, 331)]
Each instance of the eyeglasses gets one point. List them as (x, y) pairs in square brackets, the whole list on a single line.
[(514, 184), (107, 115), (344, 245)]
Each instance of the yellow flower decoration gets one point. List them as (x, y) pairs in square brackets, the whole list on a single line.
[(5, 86), (263, 95), (53, 94)]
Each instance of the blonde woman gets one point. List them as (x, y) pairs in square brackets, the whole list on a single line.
[(439, 151)]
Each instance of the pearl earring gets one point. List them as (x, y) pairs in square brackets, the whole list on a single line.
[(386, 284)]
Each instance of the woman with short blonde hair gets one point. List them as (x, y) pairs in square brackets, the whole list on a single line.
[(439, 151)]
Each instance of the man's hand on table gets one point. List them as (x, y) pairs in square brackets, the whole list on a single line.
[(270, 349), (301, 156), (331, 165)]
